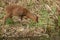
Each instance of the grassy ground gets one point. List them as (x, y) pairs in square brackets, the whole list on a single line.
[(47, 11)]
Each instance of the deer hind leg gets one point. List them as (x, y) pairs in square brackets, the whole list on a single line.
[(5, 17)]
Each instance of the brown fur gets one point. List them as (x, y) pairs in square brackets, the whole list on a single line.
[(16, 10)]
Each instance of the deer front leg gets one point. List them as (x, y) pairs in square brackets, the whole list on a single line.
[(21, 17)]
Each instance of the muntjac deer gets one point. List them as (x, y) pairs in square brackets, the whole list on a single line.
[(17, 10)]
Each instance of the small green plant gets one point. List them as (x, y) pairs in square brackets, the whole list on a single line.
[(32, 23), (9, 21)]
